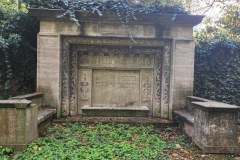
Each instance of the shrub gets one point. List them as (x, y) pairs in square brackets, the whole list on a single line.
[(17, 52), (217, 70)]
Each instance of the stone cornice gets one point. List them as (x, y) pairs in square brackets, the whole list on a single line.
[(164, 19)]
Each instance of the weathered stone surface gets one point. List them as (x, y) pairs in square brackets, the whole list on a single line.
[(18, 123), (215, 127), (48, 68), (183, 72), (178, 32), (48, 27), (109, 56), (115, 88), (191, 99), (187, 120), (35, 98), (15, 103), (119, 61), (44, 114), (66, 73), (132, 120), (166, 19), (115, 80), (117, 30), (140, 111)]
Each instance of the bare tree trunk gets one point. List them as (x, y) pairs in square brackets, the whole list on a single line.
[(19, 4)]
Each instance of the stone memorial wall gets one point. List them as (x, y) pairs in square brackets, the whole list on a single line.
[(97, 65)]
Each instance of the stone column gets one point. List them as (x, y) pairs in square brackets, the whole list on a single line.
[(182, 63)]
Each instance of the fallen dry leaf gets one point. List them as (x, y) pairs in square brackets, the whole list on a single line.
[(178, 146), (175, 155)]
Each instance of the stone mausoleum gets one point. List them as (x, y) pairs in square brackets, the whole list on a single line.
[(95, 69)]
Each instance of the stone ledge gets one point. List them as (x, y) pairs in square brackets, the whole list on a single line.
[(184, 116), (29, 96), (141, 111), (36, 98), (129, 120), (216, 106), (141, 108), (187, 121), (18, 103), (198, 99), (191, 99), (180, 19), (45, 114)]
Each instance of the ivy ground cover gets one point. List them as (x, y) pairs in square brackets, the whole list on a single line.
[(96, 141), (83, 141)]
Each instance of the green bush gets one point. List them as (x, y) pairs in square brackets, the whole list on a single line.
[(17, 53), (5, 153), (217, 70)]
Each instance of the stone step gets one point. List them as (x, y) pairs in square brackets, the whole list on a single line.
[(184, 115), (187, 119), (159, 122), (45, 117), (141, 111), (44, 114)]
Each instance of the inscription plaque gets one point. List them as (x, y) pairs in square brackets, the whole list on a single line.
[(116, 61), (115, 88)]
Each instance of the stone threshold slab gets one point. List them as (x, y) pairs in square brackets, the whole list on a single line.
[(185, 116), (141, 108), (45, 114), (131, 120), (141, 111)]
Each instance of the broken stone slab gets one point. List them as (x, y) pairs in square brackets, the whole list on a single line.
[(18, 123), (216, 127)]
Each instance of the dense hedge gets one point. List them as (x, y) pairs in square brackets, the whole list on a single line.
[(17, 53), (217, 70)]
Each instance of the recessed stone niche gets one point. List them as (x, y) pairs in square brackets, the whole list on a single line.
[(110, 74), (96, 66)]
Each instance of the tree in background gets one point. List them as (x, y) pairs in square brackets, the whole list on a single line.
[(217, 59), (229, 23), (17, 50)]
